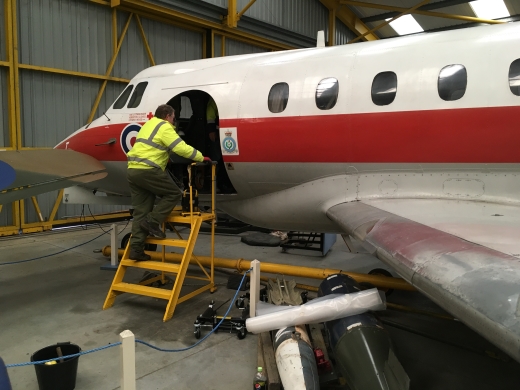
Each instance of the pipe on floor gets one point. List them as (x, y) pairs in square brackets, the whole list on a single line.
[(281, 269)]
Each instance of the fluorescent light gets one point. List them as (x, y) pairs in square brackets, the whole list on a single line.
[(406, 24), (489, 9)]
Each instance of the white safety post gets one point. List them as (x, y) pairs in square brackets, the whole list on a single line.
[(127, 360), (113, 246), (254, 289)]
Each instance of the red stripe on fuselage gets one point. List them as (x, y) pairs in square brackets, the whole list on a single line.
[(86, 141), (473, 135)]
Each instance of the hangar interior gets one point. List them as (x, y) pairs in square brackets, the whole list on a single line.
[(64, 63)]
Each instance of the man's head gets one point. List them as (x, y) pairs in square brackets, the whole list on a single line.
[(165, 112)]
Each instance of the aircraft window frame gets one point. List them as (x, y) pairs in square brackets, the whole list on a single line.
[(123, 98), (278, 97), (137, 96), (514, 79), (450, 81), (384, 88), (326, 97)]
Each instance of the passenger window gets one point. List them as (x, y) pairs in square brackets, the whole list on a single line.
[(327, 93), (278, 97), (120, 103), (514, 77), (135, 100), (452, 82), (384, 88)]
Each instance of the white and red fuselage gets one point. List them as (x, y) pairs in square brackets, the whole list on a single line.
[(288, 168)]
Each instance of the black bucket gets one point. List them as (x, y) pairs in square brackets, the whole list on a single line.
[(59, 376)]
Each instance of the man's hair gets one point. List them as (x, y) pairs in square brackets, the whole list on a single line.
[(163, 110)]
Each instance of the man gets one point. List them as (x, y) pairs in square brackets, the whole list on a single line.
[(147, 177)]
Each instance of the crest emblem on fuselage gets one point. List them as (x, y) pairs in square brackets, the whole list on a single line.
[(128, 136), (229, 143)]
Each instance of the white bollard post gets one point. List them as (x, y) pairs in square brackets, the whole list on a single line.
[(254, 288), (113, 246), (127, 360)]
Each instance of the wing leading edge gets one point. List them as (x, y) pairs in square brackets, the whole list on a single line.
[(26, 173), (476, 284)]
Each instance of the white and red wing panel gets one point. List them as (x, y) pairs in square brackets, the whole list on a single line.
[(476, 284)]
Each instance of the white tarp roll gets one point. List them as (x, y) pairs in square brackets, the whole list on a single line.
[(327, 308)]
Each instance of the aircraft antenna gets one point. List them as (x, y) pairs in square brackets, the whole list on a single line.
[(320, 41)]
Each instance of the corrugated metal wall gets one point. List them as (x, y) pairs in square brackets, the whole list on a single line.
[(76, 35), (305, 17), (65, 34), (172, 44), (234, 47), (343, 34)]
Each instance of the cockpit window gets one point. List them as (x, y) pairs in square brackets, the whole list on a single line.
[(278, 97), (135, 100), (514, 77), (120, 103), (327, 93), (384, 88), (452, 82)]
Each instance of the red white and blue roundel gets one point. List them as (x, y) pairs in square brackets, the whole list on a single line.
[(128, 136)]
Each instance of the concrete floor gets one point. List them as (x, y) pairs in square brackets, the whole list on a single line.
[(59, 298)]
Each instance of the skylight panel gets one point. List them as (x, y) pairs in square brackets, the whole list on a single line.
[(406, 24), (489, 9)]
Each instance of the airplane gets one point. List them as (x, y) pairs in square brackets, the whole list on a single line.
[(411, 145)]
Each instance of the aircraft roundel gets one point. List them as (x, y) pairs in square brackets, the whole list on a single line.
[(128, 136), (7, 175)]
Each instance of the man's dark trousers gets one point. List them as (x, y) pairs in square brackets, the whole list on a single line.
[(145, 186)]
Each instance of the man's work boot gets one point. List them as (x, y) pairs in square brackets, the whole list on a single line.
[(153, 229), (138, 256)]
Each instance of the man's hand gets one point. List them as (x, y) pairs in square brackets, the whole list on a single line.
[(212, 137), (207, 159)]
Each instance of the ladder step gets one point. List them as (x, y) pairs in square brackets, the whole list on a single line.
[(180, 219), (142, 290), (153, 265), (168, 242)]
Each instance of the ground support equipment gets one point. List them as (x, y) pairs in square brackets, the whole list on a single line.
[(320, 242), (210, 319)]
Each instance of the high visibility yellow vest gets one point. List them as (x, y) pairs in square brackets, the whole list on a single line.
[(155, 141), (211, 111)]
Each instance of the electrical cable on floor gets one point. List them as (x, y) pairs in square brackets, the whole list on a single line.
[(137, 340), (99, 225), (65, 250), (56, 253), (212, 330)]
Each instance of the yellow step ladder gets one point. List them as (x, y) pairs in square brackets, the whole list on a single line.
[(194, 218)]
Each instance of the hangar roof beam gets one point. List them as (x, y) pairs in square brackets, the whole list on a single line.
[(349, 19), (417, 11), (406, 12), (426, 7), (180, 18)]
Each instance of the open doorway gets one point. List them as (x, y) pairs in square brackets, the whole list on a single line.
[(192, 126)]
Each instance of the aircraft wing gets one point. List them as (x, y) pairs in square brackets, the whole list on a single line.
[(475, 278), (26, 173)]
